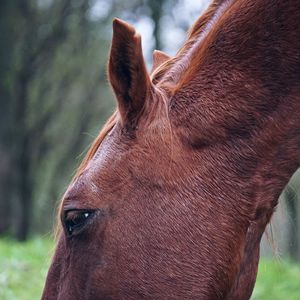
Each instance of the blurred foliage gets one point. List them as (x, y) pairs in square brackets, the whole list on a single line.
[(53, 91), (23, 268), (54, 97), (23, 272), (277, 280)]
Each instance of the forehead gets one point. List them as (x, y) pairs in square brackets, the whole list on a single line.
[(100, 175), (120, 163)]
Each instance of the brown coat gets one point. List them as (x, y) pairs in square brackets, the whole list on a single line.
[(173, 197)]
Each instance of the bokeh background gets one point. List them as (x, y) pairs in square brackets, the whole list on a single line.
[(54, 98)]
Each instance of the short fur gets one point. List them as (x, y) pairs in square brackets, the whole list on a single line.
[(186, 174)]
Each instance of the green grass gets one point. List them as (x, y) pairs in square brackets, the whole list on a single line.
[(23, 270), (277, 280)]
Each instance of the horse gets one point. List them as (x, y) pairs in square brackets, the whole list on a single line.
[(173, 197)]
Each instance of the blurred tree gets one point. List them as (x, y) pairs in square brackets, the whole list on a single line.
[(48, 77), (156, 8), (6, 172)]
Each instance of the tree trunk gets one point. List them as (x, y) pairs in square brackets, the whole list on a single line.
[(156, 12), (25, 193), (5, 192), (23, 156)]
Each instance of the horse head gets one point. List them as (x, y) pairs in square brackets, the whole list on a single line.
[(174, 195)]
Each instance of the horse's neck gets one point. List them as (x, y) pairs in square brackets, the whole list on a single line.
[(239, 102), (237, 111), (242, 88)]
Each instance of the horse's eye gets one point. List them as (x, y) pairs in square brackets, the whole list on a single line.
[(74, 220)]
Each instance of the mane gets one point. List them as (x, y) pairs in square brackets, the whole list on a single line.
[(201, 26), (110, 123)]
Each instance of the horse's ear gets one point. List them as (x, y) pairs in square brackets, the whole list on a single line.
[(159, 58), (127, 71)]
